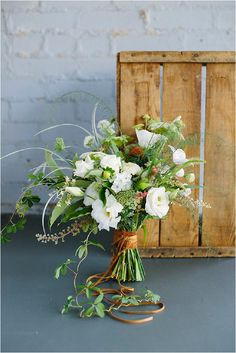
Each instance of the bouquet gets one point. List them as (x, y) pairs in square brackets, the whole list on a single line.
[(121, 182)]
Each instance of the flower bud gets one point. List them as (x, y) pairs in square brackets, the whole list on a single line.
[(136, 151), (143, 184), (190, 177), (74, 191), (154, 170), (106, 174)]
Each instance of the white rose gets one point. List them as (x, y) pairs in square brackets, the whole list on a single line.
[(179, 156), (107, 216), (89, 141), (111, 161), (157, 202), (180, 173), (131, 168), (122, 182), (83, 167), (74, 190), (190, 177), (91, 194), (146, 138)]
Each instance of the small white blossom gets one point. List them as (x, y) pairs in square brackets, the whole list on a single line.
[(111, 161), (146, 138), (91, 194), (106, 127), (74, 191), (180, 173), (157, 202), (107, 216), (179, 156), (89, 141), (122, 182), (131, 168), (178, 118), (190, 177), (185, 192), (83, 167)]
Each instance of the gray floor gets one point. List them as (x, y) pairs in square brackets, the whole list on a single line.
[(199, 296)]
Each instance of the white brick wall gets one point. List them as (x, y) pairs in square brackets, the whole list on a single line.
[(50, 48)]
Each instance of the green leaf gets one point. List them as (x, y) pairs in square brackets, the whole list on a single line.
[(102, 195), (59, 144), (99, 298), (81, 251), (52, 164), (89, 312), (58, 210), (57, 272), (95, 243), (100, 310), (144, 233)]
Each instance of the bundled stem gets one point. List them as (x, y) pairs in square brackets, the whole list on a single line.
[(126, 264)]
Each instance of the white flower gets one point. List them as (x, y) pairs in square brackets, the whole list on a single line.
[(106, 127), (180, 173), (107, 216), (157, 202), (146, 138), (179, 156), (91, 194), (190, 177), (185, 192), (83, 167), (74, 190), (111, 161), (89, 141), (122, 182), (178, 118), (131, 168)]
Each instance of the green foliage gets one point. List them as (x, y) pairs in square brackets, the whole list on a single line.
[(27, 201), (150, 296), (52, 164), (11, 228), (62, 269), (59, 145), (68, 304)]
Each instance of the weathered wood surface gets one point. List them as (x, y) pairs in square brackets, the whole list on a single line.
[(182, 96), (199, 251), (139, 94), (219, 221), (178, 56)]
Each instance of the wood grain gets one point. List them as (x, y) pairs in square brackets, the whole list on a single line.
[(178, 56), (180, 251), (139, 95), (182, 96), (219, 221)]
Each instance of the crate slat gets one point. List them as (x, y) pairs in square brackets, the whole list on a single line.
[(219, 220), (178, 56), (182, 96), (140, 93)]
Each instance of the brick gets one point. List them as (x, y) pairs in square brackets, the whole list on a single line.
[(16, 6), (28, 44), (20, 132), (97, 68), (45, 67), (5, 111), (22, 89), (41, 22), (224, 18), (60, 45), (94, 46)]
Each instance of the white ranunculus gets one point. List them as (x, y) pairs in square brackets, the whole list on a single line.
[(89, 141), (190, 177), (74, 190), (146, 138), (122, 182), (111, 161), (179, 156), (157, 202), (83, 167), (180, 173), (107, 216), (131, 168), (91, 194)]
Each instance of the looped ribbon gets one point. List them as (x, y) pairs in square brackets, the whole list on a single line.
[(123, 240)]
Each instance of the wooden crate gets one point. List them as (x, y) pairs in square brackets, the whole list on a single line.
[(169, 84)]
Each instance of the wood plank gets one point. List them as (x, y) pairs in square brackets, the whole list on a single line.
[(219, 221), (184, 252), (178, 56), (139, 95), (182, 96)]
